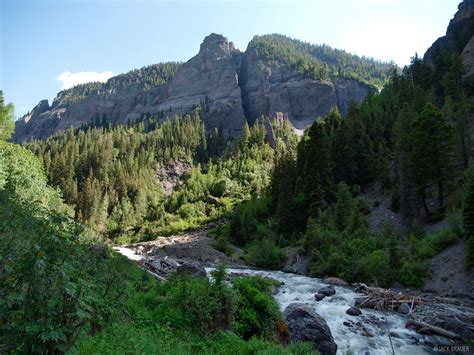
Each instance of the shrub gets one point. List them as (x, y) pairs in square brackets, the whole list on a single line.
[(197, 305), (221, 239), (265, 253), (257, 312), (413, 273)]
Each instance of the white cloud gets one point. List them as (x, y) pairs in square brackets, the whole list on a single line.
[(70, 79)]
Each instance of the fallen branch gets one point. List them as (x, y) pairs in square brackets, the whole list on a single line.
[(380, 298), (433, 328)]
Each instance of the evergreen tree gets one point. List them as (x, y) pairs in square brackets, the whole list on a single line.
[(468, 215), (315, 167), (403, 149), (7, 119), (432, 138)]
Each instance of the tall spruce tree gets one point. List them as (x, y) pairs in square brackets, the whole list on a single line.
[(432, 139), (403, 148), (7, 119), (468, 215), (315, 166)]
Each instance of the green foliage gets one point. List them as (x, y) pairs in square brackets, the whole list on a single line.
[(110, 174), (256, 310), (21, 174), (7, 119), (319, 62), (468, 215), (196, 305), (410, 140), (413, 273), (55, 276), (171, 318), (265, 253), (146, 77), (221, 239), (468, 202), (62, 291), (432, 138)]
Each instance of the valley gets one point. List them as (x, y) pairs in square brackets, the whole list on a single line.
[(289, 198)]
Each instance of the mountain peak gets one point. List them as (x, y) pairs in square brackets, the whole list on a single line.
[(217, 43)]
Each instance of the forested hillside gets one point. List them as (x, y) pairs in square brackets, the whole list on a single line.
[(63, 290), (145, 78), (410, 142), (231, 86), (110, 175), (369, 196), (320, 61)]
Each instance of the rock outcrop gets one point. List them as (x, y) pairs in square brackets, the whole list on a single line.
[(459, 38), (230, 86), (304, 324), (460, 30), (278, 90)]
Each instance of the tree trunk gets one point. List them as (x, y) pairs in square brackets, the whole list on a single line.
[(441, 194), (425, 205)]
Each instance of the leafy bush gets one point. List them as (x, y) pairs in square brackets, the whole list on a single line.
[(413, 273), (257, 311), (166, 318), (197, 305), (221, 239), (55, 277), (265, 253)]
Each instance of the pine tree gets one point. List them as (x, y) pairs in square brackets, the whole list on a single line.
[(282, 187), (315, 166), (244, 138), (468, 215), (432, 138), (403, 148), (7, 119)]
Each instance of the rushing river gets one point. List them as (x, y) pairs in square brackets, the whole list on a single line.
[(348, 331), (349, 339)]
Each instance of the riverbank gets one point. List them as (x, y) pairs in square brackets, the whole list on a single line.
[(374, 330)]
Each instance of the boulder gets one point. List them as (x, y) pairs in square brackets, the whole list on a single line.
[(100, 250), (319, 296), (403, 308), (304, 324), (297, 261), (327, 290), (354, 311), (335, 281), (193, 270)]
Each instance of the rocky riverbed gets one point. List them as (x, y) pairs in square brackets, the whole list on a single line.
[(356, 327)]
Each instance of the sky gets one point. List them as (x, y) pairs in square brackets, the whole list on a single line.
[(49, 45)]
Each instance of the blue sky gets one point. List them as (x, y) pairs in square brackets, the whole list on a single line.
[(46, 45)]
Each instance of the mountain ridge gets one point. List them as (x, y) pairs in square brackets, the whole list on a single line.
[(276, 76)]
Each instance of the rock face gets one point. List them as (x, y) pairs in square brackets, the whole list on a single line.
[(468, 61), (306, 325), (297, 261), (281, 91), (459, 31), (231, 88), (459, 38)]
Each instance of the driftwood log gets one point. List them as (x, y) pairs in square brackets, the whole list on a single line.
[(383, 299), (432, 328)]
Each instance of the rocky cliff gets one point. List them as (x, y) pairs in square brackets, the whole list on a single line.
[(459, 38), (230, 86), (272, 89)]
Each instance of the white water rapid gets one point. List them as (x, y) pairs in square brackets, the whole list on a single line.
[(349, 339), (367, 334)]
